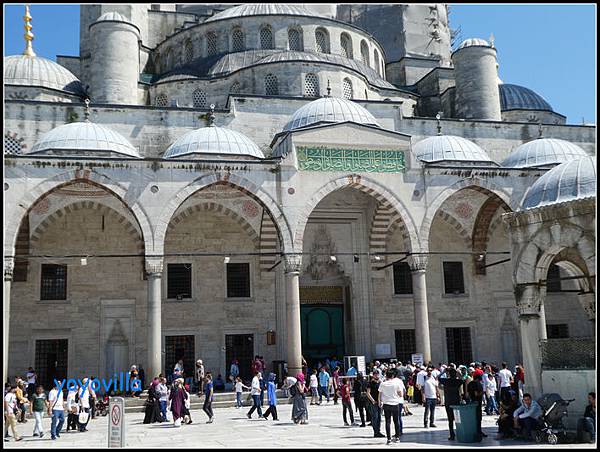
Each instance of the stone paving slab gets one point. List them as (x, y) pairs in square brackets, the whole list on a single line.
[(231, 429)]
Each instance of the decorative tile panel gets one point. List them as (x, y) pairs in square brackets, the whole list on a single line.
[(356, 160)]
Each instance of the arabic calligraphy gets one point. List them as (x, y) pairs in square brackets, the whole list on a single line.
[(358, 160)]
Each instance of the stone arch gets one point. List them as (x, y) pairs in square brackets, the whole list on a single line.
[(456, 225), (481, 230), (237, 182), (372, 188), (38, 193)]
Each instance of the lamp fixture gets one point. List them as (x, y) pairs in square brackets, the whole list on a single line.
[(226, 259), (332, 258)]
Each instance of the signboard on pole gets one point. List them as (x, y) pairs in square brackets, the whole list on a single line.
[(116, 422), (361, 367), (417, 359)]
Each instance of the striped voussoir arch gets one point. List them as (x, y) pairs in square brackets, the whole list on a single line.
[(268, 242), (108, 212), (378, 236), (456, 225), (217, 208)]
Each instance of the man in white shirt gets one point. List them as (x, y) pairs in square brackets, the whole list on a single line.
[(431, 396), (10, 404), (419, 383), (490, 394), (391, 398), (255, 393), (163, 397), (506, 378), (84, 404), (56, 410), (314, 388)]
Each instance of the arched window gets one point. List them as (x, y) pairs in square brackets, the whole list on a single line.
[(266, 38), (211, 44), (346, 45), (295, 39), (168, 60), (238, 41), (364, 52), (271, 85), (347, 89), (311, 85), (322, 40), (157, 65), (382, 68), (199, 97), (235, 88), (376, 61), (161, 100), (188, 51)]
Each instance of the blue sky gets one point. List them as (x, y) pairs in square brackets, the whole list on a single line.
[(548, 48)]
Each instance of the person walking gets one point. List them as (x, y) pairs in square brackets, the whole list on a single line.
[(199, 373), (31, 378), (10, 408), (506, 379), (272, 398), (491, 407), (177, 398), (187, 415), (152, 407), (39, 404), (360, 397), (431, 396), (475, 390), (72, 409), (209, 391), (162, 393), (56, 410), (373, 396), (314, 388), (336, 383), (345, 392), (299, 408), (239, 389), (391, 398), (323, 384), (84, 405), (452, 384), (255, 390)]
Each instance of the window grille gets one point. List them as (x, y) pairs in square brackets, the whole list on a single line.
[(238, 280), (211, 44), (188, 52), (294, 39), (458, 343), (557, 331), (311, 86), (51, 360), (180, 347), (271, 85), (266, 38), (364, 53), (235, 88), (347, 89), (376, 60), (553, 283), (405, 345), (402, 278), (11, 146), (179, 280), (161, 100), (322, 41), (346, 44), (199, 99), (237, 40), (54, 282), (454, 282)]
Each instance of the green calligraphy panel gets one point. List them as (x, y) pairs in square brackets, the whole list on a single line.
[(357, 160)]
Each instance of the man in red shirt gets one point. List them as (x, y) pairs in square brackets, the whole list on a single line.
[(346, 401)]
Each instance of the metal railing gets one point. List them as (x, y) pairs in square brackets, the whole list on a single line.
[(569, 353)]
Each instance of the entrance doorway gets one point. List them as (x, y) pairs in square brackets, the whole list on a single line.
[(51, 360), (322, 332), (180, 347), (458, 342), (240, 347)]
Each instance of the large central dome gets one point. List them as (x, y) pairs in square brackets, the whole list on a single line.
[(262, 9)]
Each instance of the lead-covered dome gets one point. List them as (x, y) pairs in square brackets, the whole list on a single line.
[(566, 182), (516, 97), (262, 9), (112, 16), (472, 42), (27, 70), (447, 148), (330, 109), (84, 139), (543, 152), (214, 140)]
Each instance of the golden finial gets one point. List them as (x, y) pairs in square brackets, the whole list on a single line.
[(492, 39), (87, 110), (28, 34)]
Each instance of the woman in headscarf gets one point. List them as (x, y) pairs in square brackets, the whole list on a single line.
[(152, 410), (177, 398), (299, 409)]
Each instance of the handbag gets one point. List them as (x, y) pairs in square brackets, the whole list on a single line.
[(83, 417)]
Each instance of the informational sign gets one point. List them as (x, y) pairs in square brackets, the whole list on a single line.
[(358, 362), (116, 422), (417, 358), (361, 367), (383, 350)]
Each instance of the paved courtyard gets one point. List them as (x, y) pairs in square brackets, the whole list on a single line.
[(232, 429)]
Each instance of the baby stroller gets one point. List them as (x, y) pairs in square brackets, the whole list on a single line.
[(102, 406), (551, 426)]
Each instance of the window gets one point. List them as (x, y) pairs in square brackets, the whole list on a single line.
[(266, 38), (346, 45), (458, 343), (237, 40), (180, 347), (51, 360), (168, 60), (557, 331), (211, 44), (376, 60), (161, 100), (553, 283), (199, 99), (238, 280), (295, 39), (179, 281), (405, 345), (311, 86), (347, 89), (11, 146), (54, 282), (364, 52), (402, 278), (454, 282), (235, 88), (322, 40), (188, 51), (271, 85)]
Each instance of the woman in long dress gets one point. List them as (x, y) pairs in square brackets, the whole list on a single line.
[(152, 405), (299, 408), (177, 398)]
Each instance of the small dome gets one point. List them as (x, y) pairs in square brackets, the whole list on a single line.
[(515, 97), (568, 181), (542, 152), (214, 140), (261, 9), (112, 16), (37, 71), (330, 109), (92, 139), (449, 148), (472, 42)]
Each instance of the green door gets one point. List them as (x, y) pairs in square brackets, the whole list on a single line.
[(322, 331)]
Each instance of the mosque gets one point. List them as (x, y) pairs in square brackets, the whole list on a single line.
[(222, 181)]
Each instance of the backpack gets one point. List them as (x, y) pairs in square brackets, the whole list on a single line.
[(293, 390)]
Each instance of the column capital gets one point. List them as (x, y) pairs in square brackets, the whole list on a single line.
[(417, 262), (9, 266), (529, 300), (154, 264), (292, 262)]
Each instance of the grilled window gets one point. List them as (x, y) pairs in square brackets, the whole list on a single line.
[(179, 281), (54, 282), (553, 283), (311, 85), (199, 99), (376, 60), (364, 53), (11, 146), (237, 40), (346, 45), (271, 85), (235, 88), (211, 44), (402, 278), (188, 51), (405, 345), (458, 344), (266, 38), (557, 331), (322, 40), (238, 280), (454, 282), (295, 39), (347, 89)]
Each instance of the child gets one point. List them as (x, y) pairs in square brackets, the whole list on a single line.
[(314, 388), (271, 393), (346, 401), (239, 388), (187, 416)]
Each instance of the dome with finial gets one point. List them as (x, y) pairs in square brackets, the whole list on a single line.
[(543, 152), (449, 148)]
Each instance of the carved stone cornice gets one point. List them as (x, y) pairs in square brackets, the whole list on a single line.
[(154, 265), (417, 262), (529, 300), (9, 266), (292, 263)]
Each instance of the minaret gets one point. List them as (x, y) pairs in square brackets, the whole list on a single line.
[(28, 34)]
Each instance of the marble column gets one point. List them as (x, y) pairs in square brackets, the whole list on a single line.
[(418, 266), (529, 301), (542, 327), (292, 265), (9, 265), (154, 268)]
